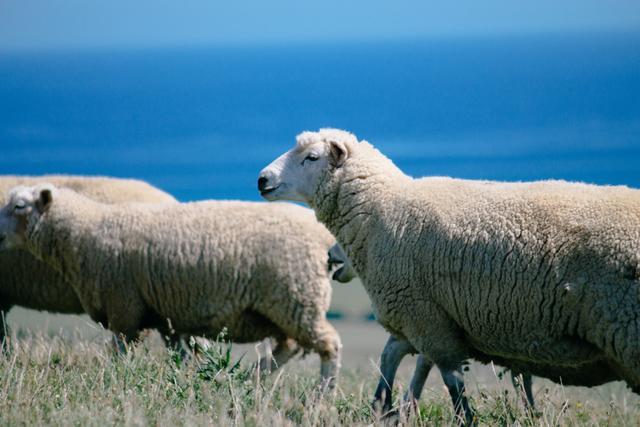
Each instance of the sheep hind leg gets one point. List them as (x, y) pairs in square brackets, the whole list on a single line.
[(324, 340), (286, 348), (392, 354), (310, 328)]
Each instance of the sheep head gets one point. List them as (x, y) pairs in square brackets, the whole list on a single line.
[(24, 207), (296, 174), (344, 272)]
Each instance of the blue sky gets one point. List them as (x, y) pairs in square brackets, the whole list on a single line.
[(72, 24)]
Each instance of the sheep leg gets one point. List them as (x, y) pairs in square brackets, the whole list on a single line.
[(453, 379), (420, 374), (125, 323), (324, 339), (448, 352), (329, 346), (523, 383), (394, 351), (4, 340), (285, 350), (176, 343), (310, 328)]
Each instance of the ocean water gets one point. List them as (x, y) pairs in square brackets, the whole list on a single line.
[(201, 123)]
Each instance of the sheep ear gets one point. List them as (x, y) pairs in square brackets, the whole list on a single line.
[(338, 153), (45, 199)]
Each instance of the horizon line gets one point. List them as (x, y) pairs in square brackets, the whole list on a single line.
[(312, 43)]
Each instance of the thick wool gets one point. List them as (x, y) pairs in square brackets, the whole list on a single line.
[(541, 275), (258, 269), (27, 282)]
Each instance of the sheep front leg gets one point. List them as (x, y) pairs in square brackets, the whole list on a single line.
[(523, 383), (420, 374), (392, 354), (4, 340), (178, 344), (439, 338), (125, 321), (453, 379), (123, 337)]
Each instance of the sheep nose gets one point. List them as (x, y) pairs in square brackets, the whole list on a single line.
[(262, 183)]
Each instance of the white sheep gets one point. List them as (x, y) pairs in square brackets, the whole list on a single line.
[(542, 275), (27, 282), (260, 270)]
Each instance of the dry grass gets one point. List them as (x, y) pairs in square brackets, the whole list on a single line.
[(72, 379)]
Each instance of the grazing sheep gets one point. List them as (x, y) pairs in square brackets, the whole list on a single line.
[(260, 270), (544, 275), (27, 282)]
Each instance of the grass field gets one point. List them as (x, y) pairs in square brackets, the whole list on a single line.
[(62, 372), (73, 378)]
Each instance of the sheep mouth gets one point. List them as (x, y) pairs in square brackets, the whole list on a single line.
[(269, 190)]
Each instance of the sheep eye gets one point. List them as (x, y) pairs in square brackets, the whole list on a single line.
[(311, 158)]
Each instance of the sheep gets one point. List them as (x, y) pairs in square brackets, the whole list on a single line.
[(27, 282), (543, 275), (260, 270)]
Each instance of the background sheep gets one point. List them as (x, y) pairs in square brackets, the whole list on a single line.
[(27, 282), (543, 274), (259, 270)]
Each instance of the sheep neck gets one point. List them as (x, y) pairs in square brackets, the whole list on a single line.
[(351, 204)]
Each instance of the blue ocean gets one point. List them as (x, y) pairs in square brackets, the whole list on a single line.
[(202, 122)]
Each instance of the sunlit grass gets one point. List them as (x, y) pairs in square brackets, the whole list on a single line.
[(74, 381)]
